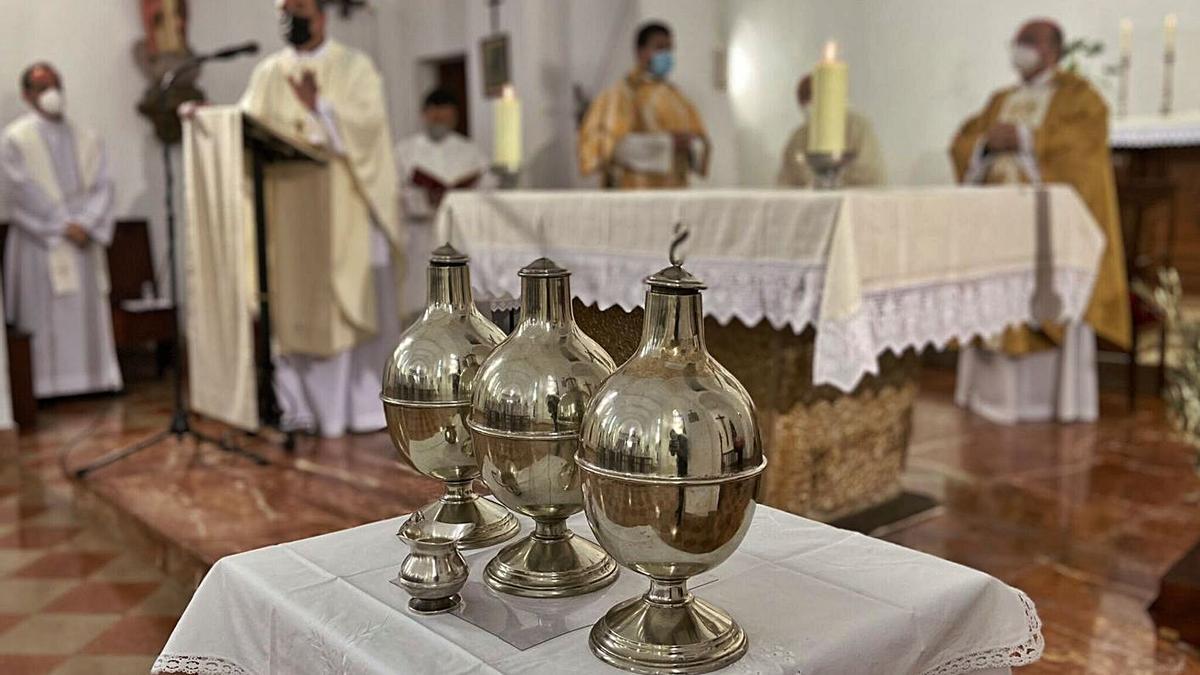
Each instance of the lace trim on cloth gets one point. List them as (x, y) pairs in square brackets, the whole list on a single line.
[(1155, 137), (785, 293), (934, 314), (195, 665), (1011, 656)]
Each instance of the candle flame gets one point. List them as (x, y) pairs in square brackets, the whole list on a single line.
[(1126, 25), (1169, 22), (508, 93), (831, 51)]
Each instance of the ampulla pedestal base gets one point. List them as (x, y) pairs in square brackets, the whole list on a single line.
[(550, 563), (459, 507), (667, 630)]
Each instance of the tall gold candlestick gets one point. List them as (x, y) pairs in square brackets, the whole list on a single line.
[(1168, 85), (1126, 43)]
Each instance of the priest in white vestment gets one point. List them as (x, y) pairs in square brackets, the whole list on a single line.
[(1051, 127), (430, 163), (333, 96), (60, 198)]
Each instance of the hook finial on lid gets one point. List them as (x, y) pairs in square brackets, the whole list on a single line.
[(681, 235)]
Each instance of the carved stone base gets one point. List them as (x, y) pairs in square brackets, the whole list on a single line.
[(831, 453)]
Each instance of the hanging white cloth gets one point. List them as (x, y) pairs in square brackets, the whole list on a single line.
[(221, 284)]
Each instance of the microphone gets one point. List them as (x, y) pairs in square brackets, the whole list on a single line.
[(222, 54), (231, 51)]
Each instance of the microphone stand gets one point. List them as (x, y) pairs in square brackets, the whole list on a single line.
[(180, 425)]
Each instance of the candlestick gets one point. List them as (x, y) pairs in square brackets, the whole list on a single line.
[(1123, 66), (827, 128), (1168, 85), (508, 130)]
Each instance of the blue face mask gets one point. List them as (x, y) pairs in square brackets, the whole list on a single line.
[(661, 62)]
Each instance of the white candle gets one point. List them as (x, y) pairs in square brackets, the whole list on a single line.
[(1169, 24), (508, 130), (1126, 43), (827, 129)]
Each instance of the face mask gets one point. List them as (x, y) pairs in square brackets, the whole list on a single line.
[(804, 111), (661, 63), (297, 30), (1025, 59), (51, 102), (437, 132)]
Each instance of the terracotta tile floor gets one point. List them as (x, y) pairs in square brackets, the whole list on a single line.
[(1085, 518), (62, 610)]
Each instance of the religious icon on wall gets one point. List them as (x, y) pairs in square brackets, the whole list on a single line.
[(496, 66), (162, 49)]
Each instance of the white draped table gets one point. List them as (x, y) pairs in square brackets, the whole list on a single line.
[(871, 270), (813, 599), (876, 273), (1156, 131)]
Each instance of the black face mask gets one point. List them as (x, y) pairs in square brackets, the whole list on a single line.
[(297, 30)]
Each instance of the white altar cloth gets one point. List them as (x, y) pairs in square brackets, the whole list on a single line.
[(1156, 131), (812, 599), (871, 269)]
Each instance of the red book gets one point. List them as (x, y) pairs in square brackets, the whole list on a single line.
[(435, 189)]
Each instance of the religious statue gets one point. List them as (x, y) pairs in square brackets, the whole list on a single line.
[(163, 49)]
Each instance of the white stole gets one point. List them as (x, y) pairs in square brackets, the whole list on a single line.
[(1026, 105), (64, 274)]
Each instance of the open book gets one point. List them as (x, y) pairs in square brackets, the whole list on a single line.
[(436, 189)]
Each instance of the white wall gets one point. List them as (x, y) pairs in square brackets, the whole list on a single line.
[(559, 43), (919, 67), (92, 46)]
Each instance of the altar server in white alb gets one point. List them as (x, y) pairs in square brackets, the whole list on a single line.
[(332, 96), (60, 199), (430, 163)]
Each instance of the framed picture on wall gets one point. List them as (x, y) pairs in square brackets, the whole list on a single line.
[(496, 70)]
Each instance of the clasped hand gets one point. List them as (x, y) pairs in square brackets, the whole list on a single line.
[(1003, 137), (76, 234)]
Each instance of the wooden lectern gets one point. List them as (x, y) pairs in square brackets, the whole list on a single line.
[(229, 159), (265, 147)]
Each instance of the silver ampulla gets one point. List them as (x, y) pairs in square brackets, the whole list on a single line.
[(670, 457), (427, 393), (529, 398)]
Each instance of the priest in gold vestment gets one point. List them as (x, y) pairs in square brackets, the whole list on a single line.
[(344, 315), (1052, 127), (643, 132)]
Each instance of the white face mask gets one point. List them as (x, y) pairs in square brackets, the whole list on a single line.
[(1025, 59), (51, 102)]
